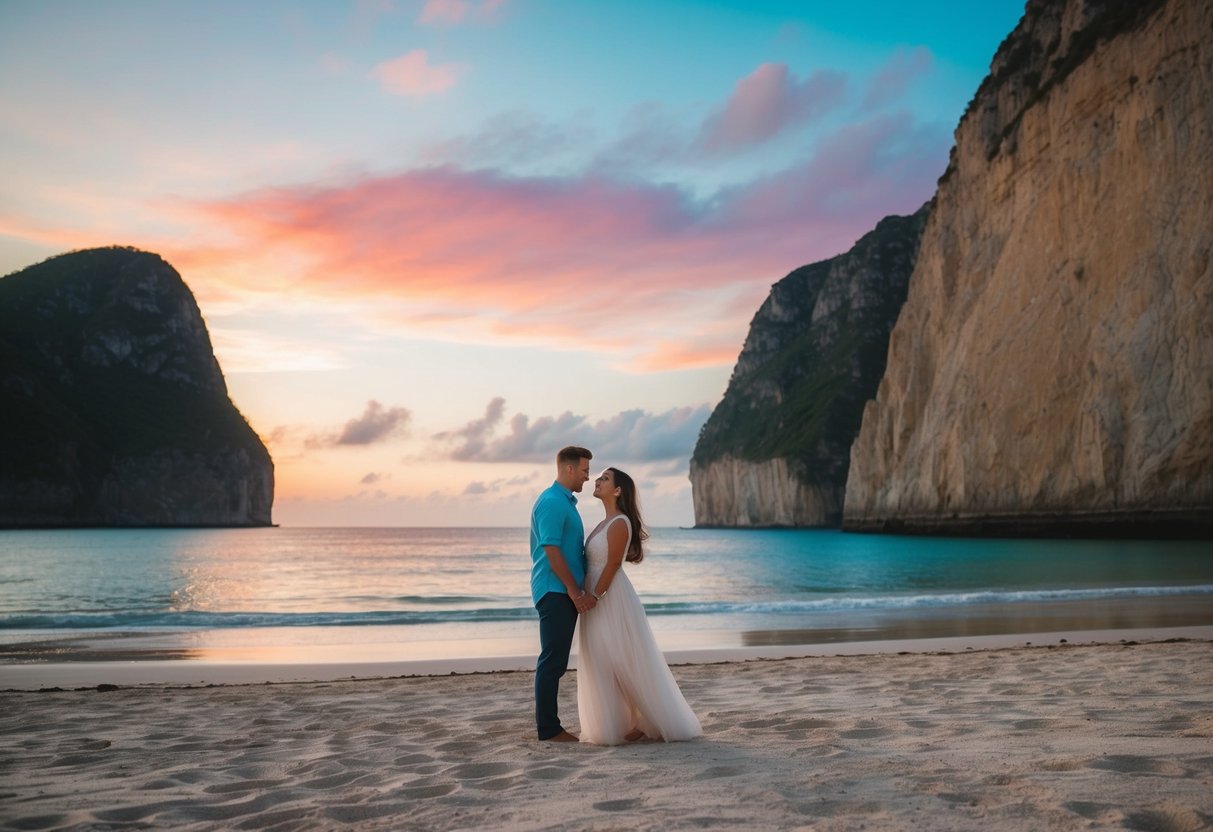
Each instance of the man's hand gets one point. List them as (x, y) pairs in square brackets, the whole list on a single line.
[(582, 600)]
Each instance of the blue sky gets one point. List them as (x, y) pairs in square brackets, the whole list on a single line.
[(465, 232)]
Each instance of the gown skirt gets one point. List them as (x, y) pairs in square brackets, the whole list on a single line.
[(623, 681)]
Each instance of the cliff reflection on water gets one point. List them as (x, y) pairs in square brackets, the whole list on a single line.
[(1059, 617)]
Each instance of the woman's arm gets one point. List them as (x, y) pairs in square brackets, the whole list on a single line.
[(617, 541)]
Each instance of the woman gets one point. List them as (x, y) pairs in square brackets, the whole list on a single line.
[(625, 690)]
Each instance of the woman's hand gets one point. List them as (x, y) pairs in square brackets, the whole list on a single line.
[(583, 601)]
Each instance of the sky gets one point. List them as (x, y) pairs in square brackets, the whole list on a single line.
[(436, 240)]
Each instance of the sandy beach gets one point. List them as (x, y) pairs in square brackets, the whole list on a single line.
[(1063, 736)]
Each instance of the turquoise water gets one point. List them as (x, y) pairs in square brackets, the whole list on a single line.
[(464, 590)]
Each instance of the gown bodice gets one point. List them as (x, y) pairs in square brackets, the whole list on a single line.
[(597, 546)]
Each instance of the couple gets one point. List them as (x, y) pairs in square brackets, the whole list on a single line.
[(625, 690)]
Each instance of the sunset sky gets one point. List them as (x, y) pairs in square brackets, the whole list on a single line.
[(436, 240)]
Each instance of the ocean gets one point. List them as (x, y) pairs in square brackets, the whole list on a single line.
[(398, 594)]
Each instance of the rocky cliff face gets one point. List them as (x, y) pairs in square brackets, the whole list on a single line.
[(775, 450), (113, 410), (1052, 368)]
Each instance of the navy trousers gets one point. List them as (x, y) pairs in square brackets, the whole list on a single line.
[(557, 621)]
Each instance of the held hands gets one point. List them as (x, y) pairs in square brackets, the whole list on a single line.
[(583, 601)]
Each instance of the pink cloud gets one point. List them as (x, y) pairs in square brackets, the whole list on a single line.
[(455, 12), (888, 160), (896, 76), (532, 259), (412, 74), (648, 273), (765, 103)]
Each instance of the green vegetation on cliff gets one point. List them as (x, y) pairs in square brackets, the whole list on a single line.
[(104, 358), (814, 355)]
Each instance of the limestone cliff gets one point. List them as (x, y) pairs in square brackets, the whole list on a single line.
[(1052, 369), (774, 452), (113, 410)]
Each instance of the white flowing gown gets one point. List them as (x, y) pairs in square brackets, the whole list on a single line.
[(623, 681)]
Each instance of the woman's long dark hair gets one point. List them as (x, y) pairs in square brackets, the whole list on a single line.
[(629, 504)]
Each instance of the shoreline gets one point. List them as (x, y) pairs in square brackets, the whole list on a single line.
[(32, 659), (172, 672)]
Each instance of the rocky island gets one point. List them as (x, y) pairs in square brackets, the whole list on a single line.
[(113, 409)]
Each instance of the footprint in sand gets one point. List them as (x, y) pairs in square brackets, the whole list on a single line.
[(865, 733), (807, 724), (242, 786), (1178, 722), (425, 792), (720, 771), (458, 746), (478, 771), (1167, 818), (81, 752), (1131, 764), (44, 822), (124, 815), (960, 798), (500, 716), (617, 805), (1062, 764), (336, 781), (393, 728), (191, 777), (412, 759), (1091, 811), (83, 745), (498, 784)]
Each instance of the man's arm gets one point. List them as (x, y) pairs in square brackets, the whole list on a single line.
[(560, 568), (548, 522)]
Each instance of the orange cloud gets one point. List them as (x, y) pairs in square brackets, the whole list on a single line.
[(664, 356)]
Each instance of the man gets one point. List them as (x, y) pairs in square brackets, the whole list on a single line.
[(557, 575)]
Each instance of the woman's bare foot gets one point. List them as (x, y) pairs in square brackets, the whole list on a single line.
[(633, 735), (563, 736)]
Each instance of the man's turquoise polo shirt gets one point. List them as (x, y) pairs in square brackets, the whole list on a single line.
[(555, 522)]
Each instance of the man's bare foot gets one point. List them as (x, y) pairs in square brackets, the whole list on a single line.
[(633, 735), (563, 736)]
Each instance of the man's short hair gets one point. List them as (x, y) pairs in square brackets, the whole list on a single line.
[(572, 455)]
